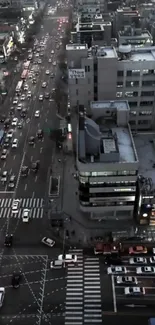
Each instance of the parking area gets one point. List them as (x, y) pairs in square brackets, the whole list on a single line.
[(40, 294)]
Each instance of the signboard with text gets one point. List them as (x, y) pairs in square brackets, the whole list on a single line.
[(76, 73)]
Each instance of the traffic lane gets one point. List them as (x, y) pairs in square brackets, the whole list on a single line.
[(106, 290)]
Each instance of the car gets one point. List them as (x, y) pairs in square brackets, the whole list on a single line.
[(137, 250), (41, 97), (39, 61), (14, 121), (23, 112), (2, 118), (6, 143), (31, 141), (12, 182), (10, 134), (47, 72), (16, 278), (26, 87), (29, 94), (56, 264), (152, 260), (153, 250), (7, 123), (2, 294), (35, 166), (52, 52), (12, 110), (15, 206), (24, 171), (134, 291), (8, 240), (126, 279), (15, 100), (4, 154), (145, 270), (52, 75), (50, 60), (40, 134), (20, 125), (4, 176), (15, 143), (48, 241), (37, 114), (44, 84), (23, 97), (47, 95), (34, 81), (138, 260), (19, 107), (68, 258), (116, 270), (26, 215)]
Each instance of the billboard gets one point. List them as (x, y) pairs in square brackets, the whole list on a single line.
[(76, 73)]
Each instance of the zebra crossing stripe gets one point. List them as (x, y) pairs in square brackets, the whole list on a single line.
[(35, 213), (25, 203)]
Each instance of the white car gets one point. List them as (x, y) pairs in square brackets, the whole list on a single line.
[(19, 107), (23, 97), (15, 206), (29, 94), (2, 294), (126, 280), (39, 61), (14, 121), (116, 269), (145, 270), (26, 87), (15, 100), (54, 63), (134, 291), (68, 258), (4, 154), (37, 113), (138, 260), (153, 250), (48, 241), (50, 60), (26, 215), (10, 134), (152, 260), (41, 97), (44, 84), (15, 143), (52, 52), (47, 72)]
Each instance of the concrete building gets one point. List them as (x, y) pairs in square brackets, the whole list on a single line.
[(96, 32), (107, 162), (126, 16), (135, 36), (104, 73), (91, 6)]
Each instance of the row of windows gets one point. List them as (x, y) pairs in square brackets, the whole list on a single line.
[(105, 204), (136, 83), (131, 73), (142, 113), (140, 122), (123, 185), (110, 173)]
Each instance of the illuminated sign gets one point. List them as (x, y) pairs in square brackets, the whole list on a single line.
[(76, 73)]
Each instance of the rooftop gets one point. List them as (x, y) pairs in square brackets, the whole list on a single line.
[(145, 146), (104, 138), (73, 47)]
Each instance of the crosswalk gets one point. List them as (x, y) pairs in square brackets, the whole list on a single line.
[(35, 205), (83, 292)]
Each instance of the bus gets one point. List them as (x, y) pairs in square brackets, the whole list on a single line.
[(19, 86), (26, 64), (24, 74)]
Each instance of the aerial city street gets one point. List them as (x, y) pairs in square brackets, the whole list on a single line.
[(56, 265)]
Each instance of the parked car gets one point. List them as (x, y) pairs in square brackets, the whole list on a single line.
[(116, 270), (48, 241), (134, 291), (16, 278)]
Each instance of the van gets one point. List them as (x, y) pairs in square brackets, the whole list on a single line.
[(56, 264)]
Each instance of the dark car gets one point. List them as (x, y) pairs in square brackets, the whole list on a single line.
[(7, 123), (12, 182), (16, 278), (47, 95), (113, 260), (34, 80), (2, 118), (40, 134), (24, 171), (6, 143), (35, 166), (31, 141), (23, 112), (12, 110), (8, 240)]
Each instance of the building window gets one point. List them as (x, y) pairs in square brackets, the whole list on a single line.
[(119, 94), (132, 83), (145, 113), (135, 73), (120, 84), (129, 73), (133, 113), (148, 72), (95, 79), (148, 83), (133, 104), (129, 94), (86, 68), (120, 73), (146, 103), (77, 92), (147, 93), (132, 123), (144, 122)]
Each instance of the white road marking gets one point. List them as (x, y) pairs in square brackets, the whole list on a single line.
[(114, 294), (25, 188), (36, 178)]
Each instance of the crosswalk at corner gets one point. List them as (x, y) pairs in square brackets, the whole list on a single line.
[(35, 205), (83, 292)]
